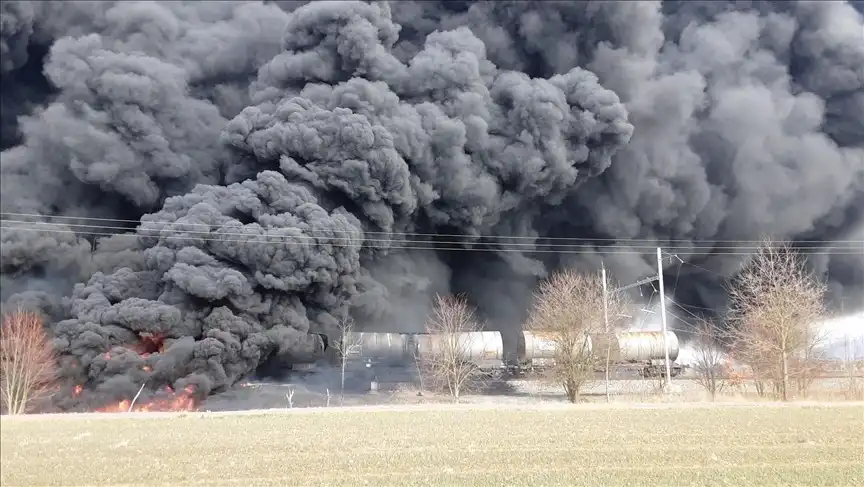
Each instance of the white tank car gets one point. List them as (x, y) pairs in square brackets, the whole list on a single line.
[(538, 349), (535, 350), (484, 349), (388, 347), (644, 346)]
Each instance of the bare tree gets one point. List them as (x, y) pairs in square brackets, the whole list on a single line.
[(569, 311), (776, 306), (290, 397), (347, 345), (445, 351), (760, 366), (28, 363), (709, 362), (808, 364)]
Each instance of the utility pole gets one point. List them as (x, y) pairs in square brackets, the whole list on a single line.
[(663, 317), (606, 321)]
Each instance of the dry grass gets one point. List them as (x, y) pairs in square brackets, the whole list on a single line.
[(586, 446)]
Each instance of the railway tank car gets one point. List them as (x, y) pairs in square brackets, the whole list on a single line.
[(381, 347), (485, 349), (639, 351), (643, 351)]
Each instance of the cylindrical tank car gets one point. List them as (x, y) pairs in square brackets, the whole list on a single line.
[(535, 351), (484, 349), (641, 350), (386, 347), (642, 346)]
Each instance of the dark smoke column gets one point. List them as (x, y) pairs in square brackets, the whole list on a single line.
[(343, 139), (442, 142), (226, 276)]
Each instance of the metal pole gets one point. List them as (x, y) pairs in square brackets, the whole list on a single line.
[(663, 317), (606, 321)]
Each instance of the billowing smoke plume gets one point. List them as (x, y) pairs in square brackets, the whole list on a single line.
[(274, 168)]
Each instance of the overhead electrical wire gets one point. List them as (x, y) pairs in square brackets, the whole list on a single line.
[(849, 247), (647, 242), (396, 244)]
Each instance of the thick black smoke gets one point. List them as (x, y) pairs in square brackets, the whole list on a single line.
[(278, 167)]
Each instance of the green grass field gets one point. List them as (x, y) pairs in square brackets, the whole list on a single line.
[(734, 446)]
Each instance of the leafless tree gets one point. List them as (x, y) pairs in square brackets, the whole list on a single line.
[(759, 366), (569, 311), (808, 364), (709, 364), (347, 345), (445, 351), (776, 306), (28, 363)]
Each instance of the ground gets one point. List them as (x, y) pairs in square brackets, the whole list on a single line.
[(311, 390), (439, 445)]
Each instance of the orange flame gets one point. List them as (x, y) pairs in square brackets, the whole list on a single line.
[(184, 401), (147, 368), (77, 390)]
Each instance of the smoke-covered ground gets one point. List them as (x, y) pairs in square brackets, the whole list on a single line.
[(273, 168)]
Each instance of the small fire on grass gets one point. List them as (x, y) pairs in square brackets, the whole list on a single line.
[(183, 401)]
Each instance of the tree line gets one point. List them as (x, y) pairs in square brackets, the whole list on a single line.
[(772, 328)]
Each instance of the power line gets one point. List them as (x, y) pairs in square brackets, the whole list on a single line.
[(684, 309), (158, 232), (678, 274), (651, 242), (695, 307), (431, 245), (706, 270)]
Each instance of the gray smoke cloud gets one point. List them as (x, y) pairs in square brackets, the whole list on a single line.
[(281, 166), (227, 276)]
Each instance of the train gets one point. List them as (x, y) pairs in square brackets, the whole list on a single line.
[(642, 352)]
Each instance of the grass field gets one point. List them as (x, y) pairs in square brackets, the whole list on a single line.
[(585, 446)]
